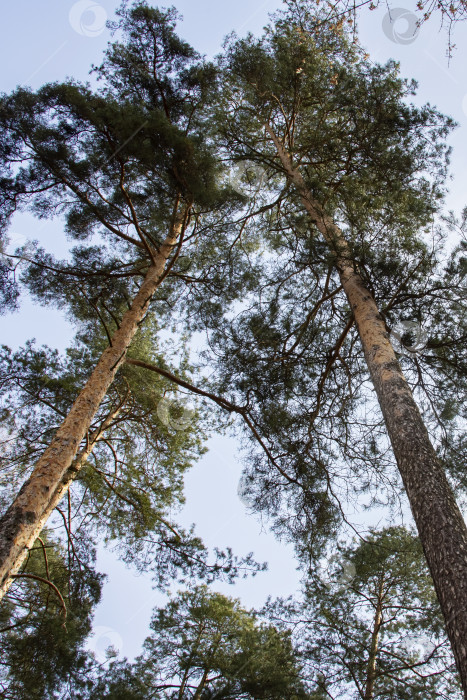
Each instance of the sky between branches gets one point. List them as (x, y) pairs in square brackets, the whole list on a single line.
[(46, 42)]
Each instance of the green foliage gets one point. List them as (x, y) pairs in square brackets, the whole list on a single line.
[(9, 291), (136, 139), (292, 353), (133, 480), (361, 148), (115, 162), (43, 629), (386, 598), (205, 645)]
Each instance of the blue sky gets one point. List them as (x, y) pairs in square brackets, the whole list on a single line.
[(43, 42)]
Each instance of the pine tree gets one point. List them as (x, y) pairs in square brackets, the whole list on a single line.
[(129, 479), (205, 645), (45, 620), (134, 161), (302, 103), (370, 626)]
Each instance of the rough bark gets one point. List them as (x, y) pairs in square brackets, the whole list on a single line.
[(371, 667), (62, 489), (24, 519), (439, 522)]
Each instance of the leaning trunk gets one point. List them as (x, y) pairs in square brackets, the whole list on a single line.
[(23, 521), (64, 485), (440, 524)]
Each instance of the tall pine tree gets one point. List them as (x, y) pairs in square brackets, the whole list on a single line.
[(304, 104)]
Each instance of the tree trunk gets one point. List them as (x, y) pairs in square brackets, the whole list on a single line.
[(24, 519), (440, 524), (63, 487), (200, 687), (371, 668)]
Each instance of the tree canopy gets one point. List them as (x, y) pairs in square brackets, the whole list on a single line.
[(286, 202)]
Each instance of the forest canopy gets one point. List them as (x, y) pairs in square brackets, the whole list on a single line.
[(258, 248)]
